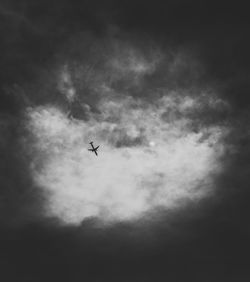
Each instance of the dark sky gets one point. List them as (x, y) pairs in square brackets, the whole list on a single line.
[(208, 241)]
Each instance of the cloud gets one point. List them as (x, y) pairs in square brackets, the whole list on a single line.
[(149, 158), (65, 84), (160, 144)]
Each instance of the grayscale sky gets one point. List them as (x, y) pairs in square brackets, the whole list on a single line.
[(162, 87)]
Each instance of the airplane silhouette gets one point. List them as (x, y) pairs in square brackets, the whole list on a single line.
[(94, 149)]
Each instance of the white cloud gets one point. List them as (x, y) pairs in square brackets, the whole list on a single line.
[(149, 157), (65, 84)]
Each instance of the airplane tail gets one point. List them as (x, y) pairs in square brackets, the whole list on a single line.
[(91, 142)]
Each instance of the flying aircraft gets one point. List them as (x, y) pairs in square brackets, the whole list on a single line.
[(94, 149)]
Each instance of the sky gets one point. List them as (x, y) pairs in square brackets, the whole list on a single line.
[(162, 87)]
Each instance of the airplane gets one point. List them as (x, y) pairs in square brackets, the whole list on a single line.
[(94, 149)]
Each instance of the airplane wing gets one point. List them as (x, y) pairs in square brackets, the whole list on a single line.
[(97, 147), (90, 150)]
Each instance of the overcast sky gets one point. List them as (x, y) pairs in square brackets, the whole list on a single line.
[(162, 87)]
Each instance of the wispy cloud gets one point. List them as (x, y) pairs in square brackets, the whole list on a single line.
[(65, 84)]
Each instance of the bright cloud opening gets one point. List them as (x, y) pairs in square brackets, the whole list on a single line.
[(149, 157), (160, 147)]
